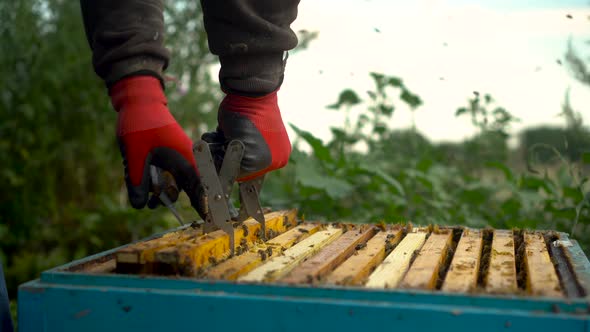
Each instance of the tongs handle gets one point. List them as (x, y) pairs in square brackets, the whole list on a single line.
[(217, 214), (220, 166)]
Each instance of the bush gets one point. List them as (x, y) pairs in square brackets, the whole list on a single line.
[(403, 177)]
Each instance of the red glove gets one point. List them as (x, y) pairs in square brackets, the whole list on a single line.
[(257, 122), (149, 135)]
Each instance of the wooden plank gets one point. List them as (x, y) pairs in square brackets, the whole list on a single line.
[(501, 278), (578, 263), (541, 276), (234, 267), (192, 256), (133, 257), (103, 267), (358, 267), (463, 272), (279, 266), (423, 274), (570, 287), (295, 235), (135, 253), (389, 273), (332, 255)]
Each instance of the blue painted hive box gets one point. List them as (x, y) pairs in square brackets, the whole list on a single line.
[(304, 276)]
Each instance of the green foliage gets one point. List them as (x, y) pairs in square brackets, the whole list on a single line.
[(347, 97), (368, 172), (568, 142), (53, 110), (497, 119), (577, 65), (491, 143), (540, 143), (192, 93)]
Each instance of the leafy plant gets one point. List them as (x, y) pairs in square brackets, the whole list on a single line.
[(368, 172)]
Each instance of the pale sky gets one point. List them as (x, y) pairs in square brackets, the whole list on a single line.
[(443, 50)]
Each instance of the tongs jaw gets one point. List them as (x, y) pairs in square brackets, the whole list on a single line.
[(219, 167)]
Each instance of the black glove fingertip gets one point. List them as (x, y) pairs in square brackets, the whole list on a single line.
[(138, 195), (154, 202)]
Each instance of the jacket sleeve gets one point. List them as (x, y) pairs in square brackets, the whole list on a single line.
[(126, 37), (250, 37)]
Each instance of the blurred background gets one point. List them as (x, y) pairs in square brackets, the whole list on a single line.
[(432, 111)]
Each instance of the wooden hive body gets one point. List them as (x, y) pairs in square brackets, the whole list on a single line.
[(506, 277)]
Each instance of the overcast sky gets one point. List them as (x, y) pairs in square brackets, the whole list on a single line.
[(443, 50)]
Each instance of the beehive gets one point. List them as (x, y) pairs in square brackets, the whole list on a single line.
[(318, 277), (449, 259)]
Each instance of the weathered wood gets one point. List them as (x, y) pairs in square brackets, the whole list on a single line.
[(556, 247), (423, 273), (330, 256), (103, 267), (279, 266), (287, 239), (133, 257), (136, 253), (463, 272), (541, 276), (356, 268), (545, 263), (389, 273), (501, 276), (236, 266), (578, 262), (191, 256)]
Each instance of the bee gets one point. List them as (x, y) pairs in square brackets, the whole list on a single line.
[(262, 254), (388, 247), (271, 233)]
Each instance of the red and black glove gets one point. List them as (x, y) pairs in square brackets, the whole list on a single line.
[(149, 135), (257, 122)]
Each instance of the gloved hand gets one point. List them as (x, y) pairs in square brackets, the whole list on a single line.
[(257, 122), (148, 134)]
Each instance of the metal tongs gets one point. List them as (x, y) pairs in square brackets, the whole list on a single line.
[(219, 167)]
